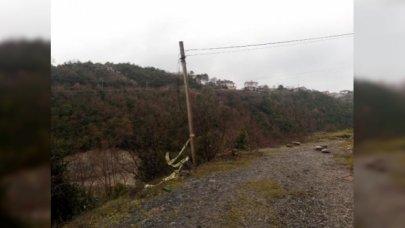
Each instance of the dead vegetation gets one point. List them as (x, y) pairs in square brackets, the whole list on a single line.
[(346, 159), (267, 188), (346, 156), (99, 171), (325, 136), (243, 159), (107, 215), (254, 200)]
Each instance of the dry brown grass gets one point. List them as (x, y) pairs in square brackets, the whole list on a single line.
[(107, 215), (226, 164), (326, 136)]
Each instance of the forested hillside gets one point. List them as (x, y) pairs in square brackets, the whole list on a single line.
[(123, 75), (142, 110), (122, 113), (109, 106)]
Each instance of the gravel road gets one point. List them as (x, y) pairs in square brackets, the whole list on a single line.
[(286, 187)]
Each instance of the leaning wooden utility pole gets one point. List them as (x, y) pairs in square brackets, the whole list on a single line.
[(189, 111)]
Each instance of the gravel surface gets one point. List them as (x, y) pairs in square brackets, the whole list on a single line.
[(292, 187)]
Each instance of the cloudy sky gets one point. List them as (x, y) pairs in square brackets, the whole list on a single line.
[(24, 19), (380, 40), (147, 33)]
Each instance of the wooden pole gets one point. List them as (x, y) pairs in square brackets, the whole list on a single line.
[(189, 111)]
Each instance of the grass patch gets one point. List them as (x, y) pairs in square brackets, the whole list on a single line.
[(325, 136), (219, 166), (269, 151), (224, 165), (300, 193), (107, 215), (234, 214), (246, 206), (347, 145), (162, 188), (272, 190), (241, 209), (174, 184), (267, 188), (115, 211), (346, 159)]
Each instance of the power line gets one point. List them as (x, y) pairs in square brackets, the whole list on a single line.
[(272, 43), (253, 49)]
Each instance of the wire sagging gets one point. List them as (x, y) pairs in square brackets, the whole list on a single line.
[(270, 44)]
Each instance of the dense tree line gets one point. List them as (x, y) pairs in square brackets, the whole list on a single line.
[(379, 111), (109, 75), (142, 110)]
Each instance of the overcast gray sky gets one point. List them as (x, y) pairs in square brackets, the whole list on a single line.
[(147, 33), (24, 19), (380, 40)]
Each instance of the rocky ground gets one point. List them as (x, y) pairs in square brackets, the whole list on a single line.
[(284, 187)]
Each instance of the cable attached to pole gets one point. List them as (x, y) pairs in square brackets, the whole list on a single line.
[(272, 43)]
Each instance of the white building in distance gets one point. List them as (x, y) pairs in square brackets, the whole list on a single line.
[(251, 85)]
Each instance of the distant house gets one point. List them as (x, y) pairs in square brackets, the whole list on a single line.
[(226, 84), (345, 92), (251, 85), (342, 93), (263, 88)]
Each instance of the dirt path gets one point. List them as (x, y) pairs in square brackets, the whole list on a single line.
[(286, 187)]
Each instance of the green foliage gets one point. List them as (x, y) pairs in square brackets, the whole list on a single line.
[(153, 121), (152, 165), (77, 75), (67, 199), (242, 141)]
